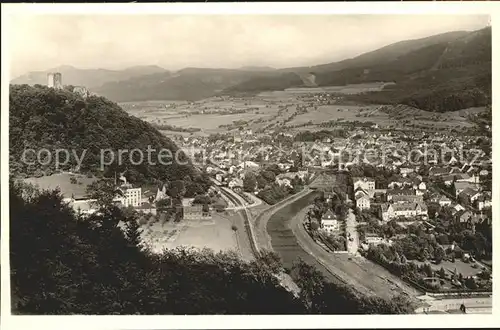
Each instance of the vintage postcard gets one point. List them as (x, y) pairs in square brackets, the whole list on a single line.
[(251, 162)]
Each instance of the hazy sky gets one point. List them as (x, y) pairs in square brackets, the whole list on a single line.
[(174, 42)]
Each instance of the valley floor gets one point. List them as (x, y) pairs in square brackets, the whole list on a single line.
[(217, 234)]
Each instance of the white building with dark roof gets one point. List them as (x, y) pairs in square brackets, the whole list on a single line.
[(329, 222)]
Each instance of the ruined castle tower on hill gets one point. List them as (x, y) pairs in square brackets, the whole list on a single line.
[(54, 80)]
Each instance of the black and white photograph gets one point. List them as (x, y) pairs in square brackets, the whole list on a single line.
[(247, 164)]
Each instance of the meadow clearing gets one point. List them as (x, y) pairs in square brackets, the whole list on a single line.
[(189, 115), (326, 113), (224, 232), (262, 109), (62, 181)]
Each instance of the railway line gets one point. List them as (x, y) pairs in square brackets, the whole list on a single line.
[(246, 217)]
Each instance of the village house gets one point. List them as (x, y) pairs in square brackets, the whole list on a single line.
[(470, 195), (400, 183), (422, 186), (482, 203), (452, 160), (399, 192), (248, 165), (329, 222), (461, 186), (374, 239), (438, 171), (405, 210), (130, 196), (219, 177), (419, 192), (444, 201), (365, 183), (464, 177), (407, 199), (161, 193), (362, 202), (464, 216), (476, 196), (457, 208)]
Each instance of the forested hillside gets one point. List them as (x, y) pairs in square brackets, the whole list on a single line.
[(189, 84), (385, 54), (45, 118), (279, 82), (460, 78), (71, 266)]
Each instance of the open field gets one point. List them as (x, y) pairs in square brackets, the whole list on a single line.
[(261, 110), (211, 122), (216, 234), (289, 93), (398, 115), (170, 133), (326, 113), (347, 89), (63, 183), (188, 115), (417, 116)]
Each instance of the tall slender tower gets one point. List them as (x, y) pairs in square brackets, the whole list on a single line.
[(50, 80), (54, 80)]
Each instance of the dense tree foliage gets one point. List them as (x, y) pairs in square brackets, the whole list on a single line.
[(266, 83), (189, 84), (45, 118), (441, 91), (249, 182), (273, 193)]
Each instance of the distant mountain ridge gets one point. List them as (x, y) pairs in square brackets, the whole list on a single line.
[(385, 54), (189, 84), (257, 68), (89, 78), (450, 62)]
